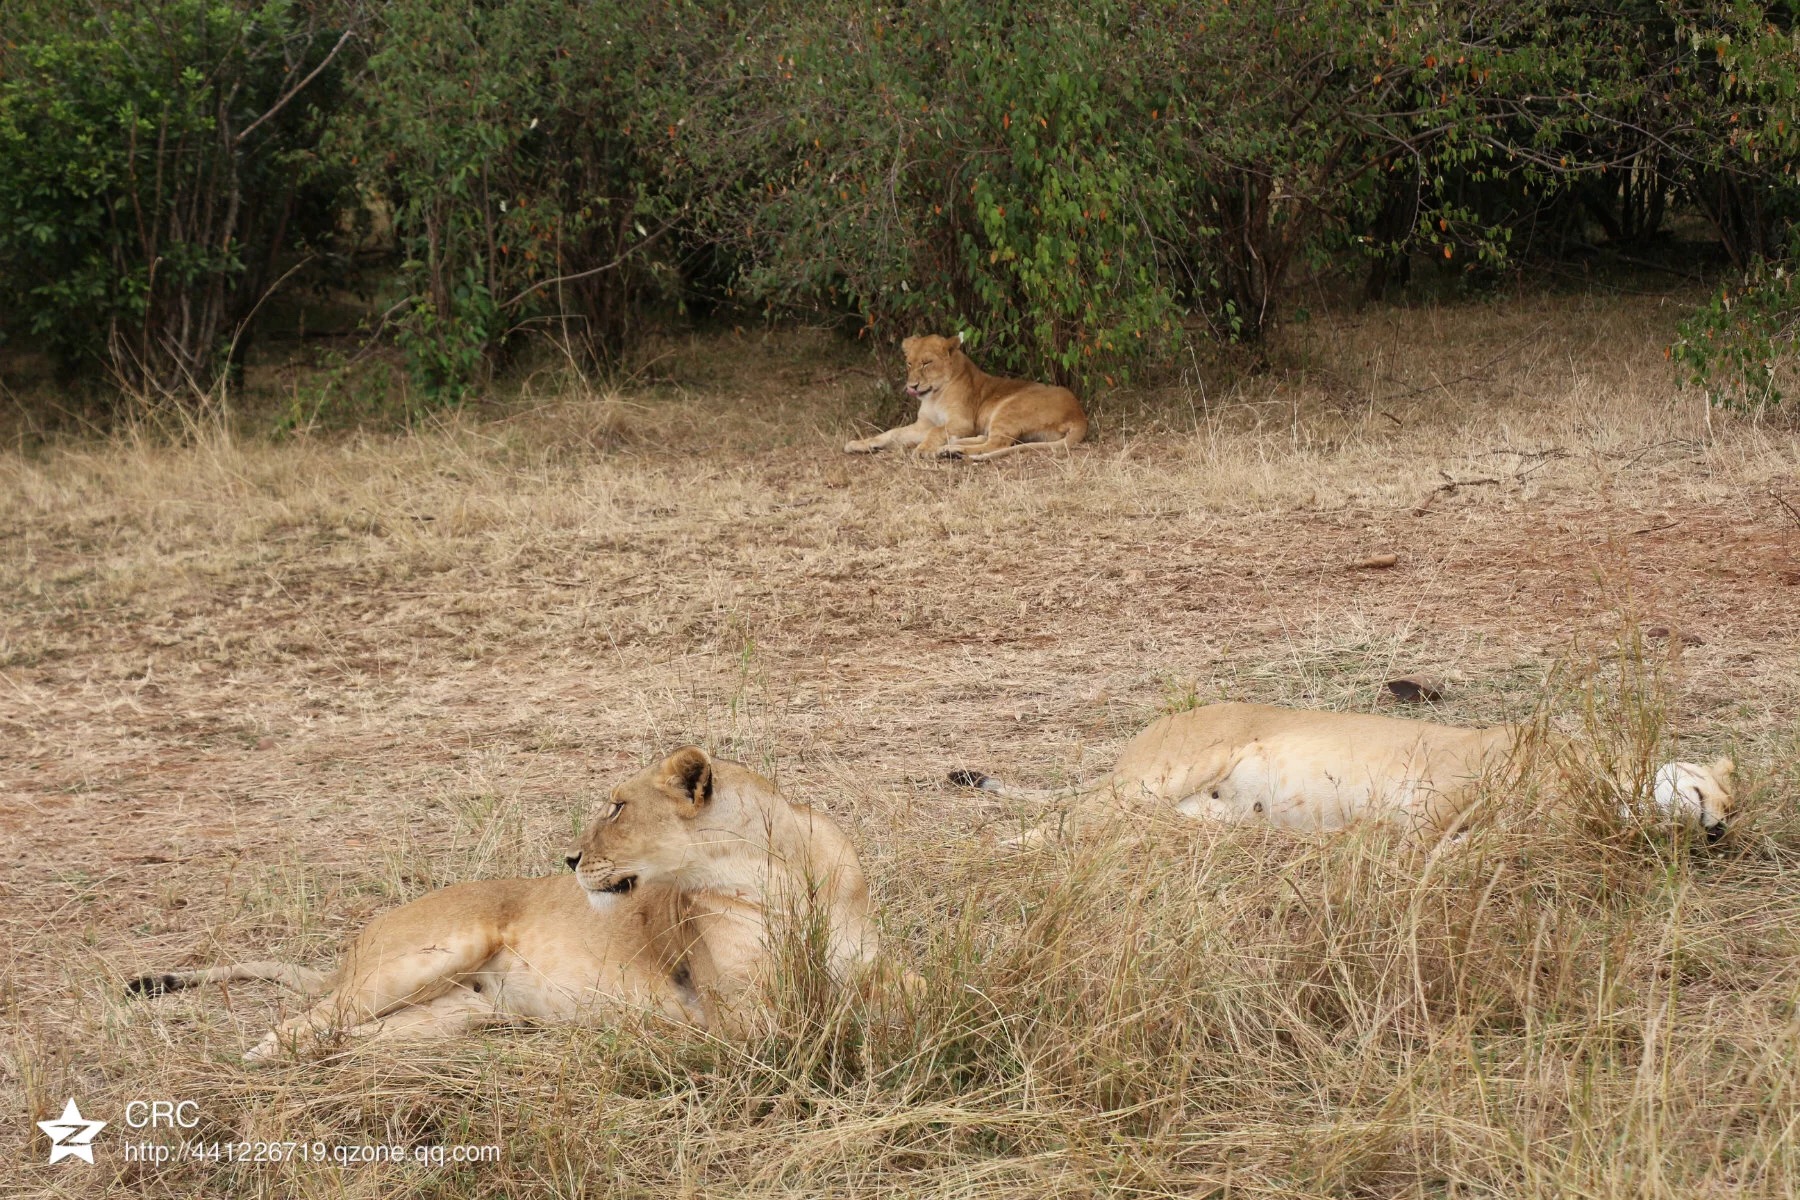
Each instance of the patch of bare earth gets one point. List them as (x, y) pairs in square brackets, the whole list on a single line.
[(251, 693)]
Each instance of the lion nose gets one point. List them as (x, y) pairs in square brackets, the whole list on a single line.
[(574, 860), (1715, 831)]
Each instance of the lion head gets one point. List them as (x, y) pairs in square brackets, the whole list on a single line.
[(651, 828), (1695, 794), (931, 362), (708, 825)]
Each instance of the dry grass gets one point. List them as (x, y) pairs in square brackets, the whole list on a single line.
[(251, 693)]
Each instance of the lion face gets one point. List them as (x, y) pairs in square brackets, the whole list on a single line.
[(1695, 794), (648, 829), (930, 363)]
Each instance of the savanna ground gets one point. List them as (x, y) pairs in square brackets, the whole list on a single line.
[(253, 692)]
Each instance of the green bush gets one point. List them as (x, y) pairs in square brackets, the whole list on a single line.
[(1743, 345), (1082, 185), (945, 166), (527, 150), (158, 167), (1740, 68)]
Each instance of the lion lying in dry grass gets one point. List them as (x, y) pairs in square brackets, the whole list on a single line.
[(675, 887), (964, 411), (1309, 770)]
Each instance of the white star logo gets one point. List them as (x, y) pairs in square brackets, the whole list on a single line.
[(70, 1135)]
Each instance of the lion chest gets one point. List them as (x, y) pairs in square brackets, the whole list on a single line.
[(947, 407)]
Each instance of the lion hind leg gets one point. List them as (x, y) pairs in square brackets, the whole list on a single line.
[(1064, 825), (933, 443), (956, 447), (378, 979), (1032, 839), (341, 1015), (327, 1025), (976, 449)]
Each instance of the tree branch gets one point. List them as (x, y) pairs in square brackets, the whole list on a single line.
[(298, 88), (643, 244)]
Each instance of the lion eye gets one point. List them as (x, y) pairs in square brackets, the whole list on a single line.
[(612, 814)]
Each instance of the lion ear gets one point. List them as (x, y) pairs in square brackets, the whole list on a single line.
[(689, 771), (1723, 768), (959, 339), (907, 344)]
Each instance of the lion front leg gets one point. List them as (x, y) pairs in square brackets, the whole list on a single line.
[(934, 442), (461, 1010), (903, 438)]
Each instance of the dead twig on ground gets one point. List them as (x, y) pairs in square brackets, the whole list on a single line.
[(1791, 511), (831, 376), (1448, 487)]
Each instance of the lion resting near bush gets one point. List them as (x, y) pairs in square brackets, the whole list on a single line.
[(1310, 770), (964, 411), (676, 887)]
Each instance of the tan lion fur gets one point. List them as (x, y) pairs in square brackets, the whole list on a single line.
[(667, 914), (750, 861), (1312, 770), (965, 412)]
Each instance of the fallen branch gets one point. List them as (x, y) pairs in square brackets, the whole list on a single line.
[(1635, 459), (1447, 487), (1552, 452), (643, 243), (1778, 498)]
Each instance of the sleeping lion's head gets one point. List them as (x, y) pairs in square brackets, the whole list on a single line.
[(931, 362), (1698, 795)]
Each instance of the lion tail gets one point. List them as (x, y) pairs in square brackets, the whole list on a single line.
[(1068, 441), (304, 980)]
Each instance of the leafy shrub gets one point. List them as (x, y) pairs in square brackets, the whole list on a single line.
[(1742, 64), (946, 166), (1082, 185), (527, 150), (1743, 344), (158, 163)]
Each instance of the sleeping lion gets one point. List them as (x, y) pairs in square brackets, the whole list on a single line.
[(1310, 770)]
